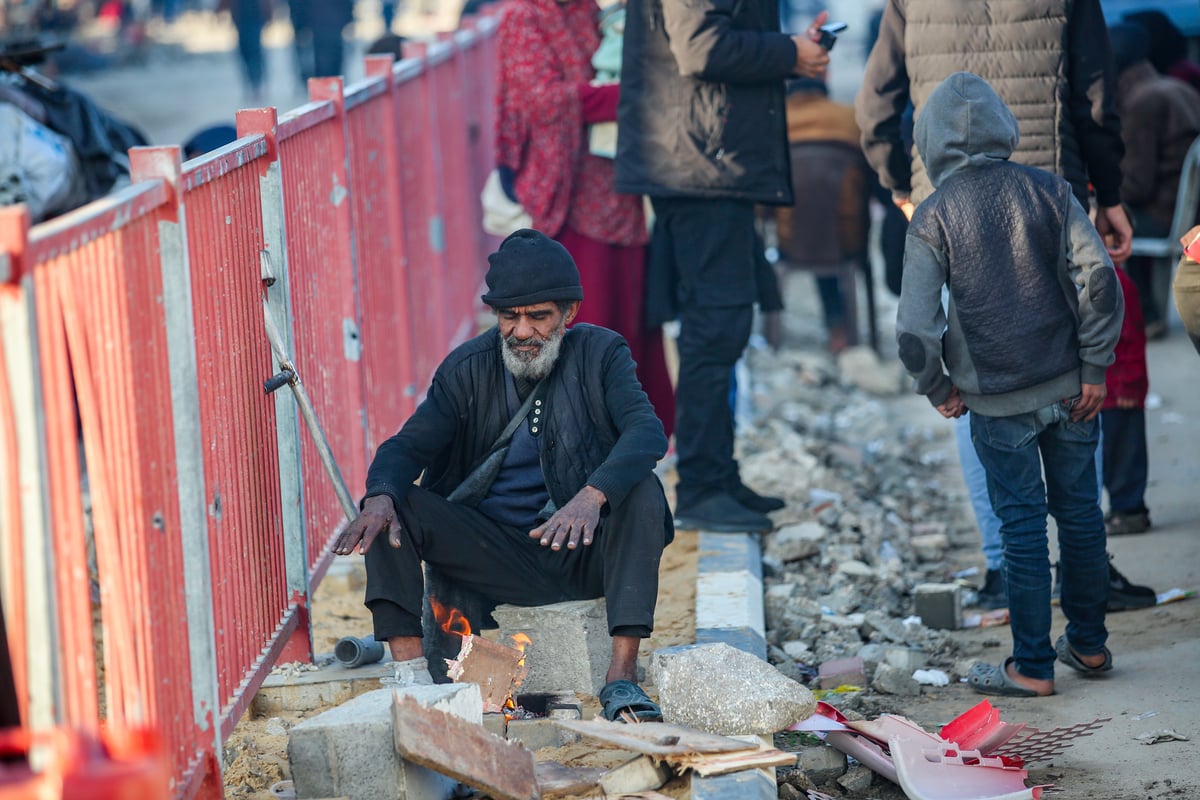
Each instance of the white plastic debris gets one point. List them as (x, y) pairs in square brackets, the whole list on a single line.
[(931, 677), (1161, 735)]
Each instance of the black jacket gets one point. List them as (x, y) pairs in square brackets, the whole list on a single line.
[(1048, 59), (701, 110), (600, 428)]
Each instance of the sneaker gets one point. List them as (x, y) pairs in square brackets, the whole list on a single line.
[(1123, 595), (720, 513), (1117, 523), (992, 595), (754, 501)]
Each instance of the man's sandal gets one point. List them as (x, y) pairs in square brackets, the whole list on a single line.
[(994, 680), (1067, 656), (625, 701)]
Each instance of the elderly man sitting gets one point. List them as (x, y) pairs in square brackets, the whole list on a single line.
[(537, 447)]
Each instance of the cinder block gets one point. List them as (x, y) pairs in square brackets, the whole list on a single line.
[(842, 672), (570, 647), (349, 751), (534, 733), (907, 659), (939, 605), (495, 723), (332, 684)]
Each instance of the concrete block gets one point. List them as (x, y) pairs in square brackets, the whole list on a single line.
[(570, 648), (822, 764), (495, 723), (330, 685), (349, 751), (939, 605), (906, 659), (893, 680), (842, 672), (534, 733), (857, 780)]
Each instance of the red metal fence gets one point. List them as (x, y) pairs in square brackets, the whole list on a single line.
[(132, 408)]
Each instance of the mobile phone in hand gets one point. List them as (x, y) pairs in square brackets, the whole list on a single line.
[(827, 34)]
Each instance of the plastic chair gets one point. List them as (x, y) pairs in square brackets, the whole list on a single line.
[(1167, 250), (826, 231)]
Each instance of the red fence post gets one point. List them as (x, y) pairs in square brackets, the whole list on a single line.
[(26, 526), (164, 163), (288, 434)]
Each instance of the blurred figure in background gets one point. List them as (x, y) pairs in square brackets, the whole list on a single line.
[(317, 27), (545, 101), (249, 18), (1160, 118), (1167, 46)]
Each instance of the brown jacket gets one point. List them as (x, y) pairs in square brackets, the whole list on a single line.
[(813, 117), (1160, 118)]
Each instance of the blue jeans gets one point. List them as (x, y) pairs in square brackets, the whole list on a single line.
[(1013, 451), (976, 481)]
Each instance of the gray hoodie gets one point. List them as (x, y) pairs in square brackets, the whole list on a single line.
[(1035, 306)]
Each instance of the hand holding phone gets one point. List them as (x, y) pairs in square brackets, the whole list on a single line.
[(827, 34), (811, 57)]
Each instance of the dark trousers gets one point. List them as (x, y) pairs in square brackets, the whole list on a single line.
[(505, 565), (1125, 458), (712, 247)]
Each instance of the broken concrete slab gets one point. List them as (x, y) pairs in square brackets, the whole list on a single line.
[(569, 648), (534, 734), (723, 690), (893, 680), (330, 684), (456, 748), (796, 542), (639, 774), (350, 751), (939, 605), (821, 764)]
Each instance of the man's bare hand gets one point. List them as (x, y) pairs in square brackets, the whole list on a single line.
[(1112, 223), (811, 58), (378, 515), (954, 406), (1091, 397), (573, 523)]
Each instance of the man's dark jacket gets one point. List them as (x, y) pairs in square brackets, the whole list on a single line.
[(599, 426), (701, 110), (1049, 60)]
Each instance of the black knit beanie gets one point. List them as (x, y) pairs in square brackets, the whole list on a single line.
[(530, 268)]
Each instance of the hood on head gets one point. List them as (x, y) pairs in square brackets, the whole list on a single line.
[(964, 124)]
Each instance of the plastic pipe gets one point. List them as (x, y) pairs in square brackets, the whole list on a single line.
[(355, 652)]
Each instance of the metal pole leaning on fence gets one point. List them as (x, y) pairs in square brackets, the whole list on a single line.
[(287, 376)]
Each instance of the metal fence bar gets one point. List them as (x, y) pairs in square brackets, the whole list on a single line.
[(265, 122)]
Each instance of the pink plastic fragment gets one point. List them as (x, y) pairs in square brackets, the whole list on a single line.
[(950, 773), (979, 728)]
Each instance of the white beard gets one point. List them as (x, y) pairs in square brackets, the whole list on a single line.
[(532, 366)]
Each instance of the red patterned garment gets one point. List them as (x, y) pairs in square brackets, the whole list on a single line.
[(543, 103)]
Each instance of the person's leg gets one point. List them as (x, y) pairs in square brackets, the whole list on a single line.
[(833, 309), (1071, 493), (464, 546), (249, 22), (1008, 450), (713, 248), (975, 479), (1125, 459)]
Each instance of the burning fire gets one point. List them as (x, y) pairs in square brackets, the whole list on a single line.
[(511, 709), (451, 619)]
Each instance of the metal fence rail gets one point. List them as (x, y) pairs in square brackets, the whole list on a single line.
[(164, 519)]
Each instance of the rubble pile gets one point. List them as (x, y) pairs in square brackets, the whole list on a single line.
[(869, 518)]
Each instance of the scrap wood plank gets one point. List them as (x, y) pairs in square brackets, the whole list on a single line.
[(554, 778), (654, 738), (723, 763), (463, 750)]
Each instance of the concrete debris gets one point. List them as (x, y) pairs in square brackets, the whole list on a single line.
[(822, 764), (867, 519), (723, 690), (893, 680)]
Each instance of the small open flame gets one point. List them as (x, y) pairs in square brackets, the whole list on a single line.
[(511, 709), (451, 619)]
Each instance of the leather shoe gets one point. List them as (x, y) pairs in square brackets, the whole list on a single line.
[(754, 501), (720, 513)]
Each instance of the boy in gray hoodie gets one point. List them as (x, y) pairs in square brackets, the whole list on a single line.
[(1034, 313)]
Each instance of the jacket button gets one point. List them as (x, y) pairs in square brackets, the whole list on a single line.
[(533, 429)]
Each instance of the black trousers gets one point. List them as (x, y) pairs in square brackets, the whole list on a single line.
[(712, 246), (506, 566), (1126, 462)]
